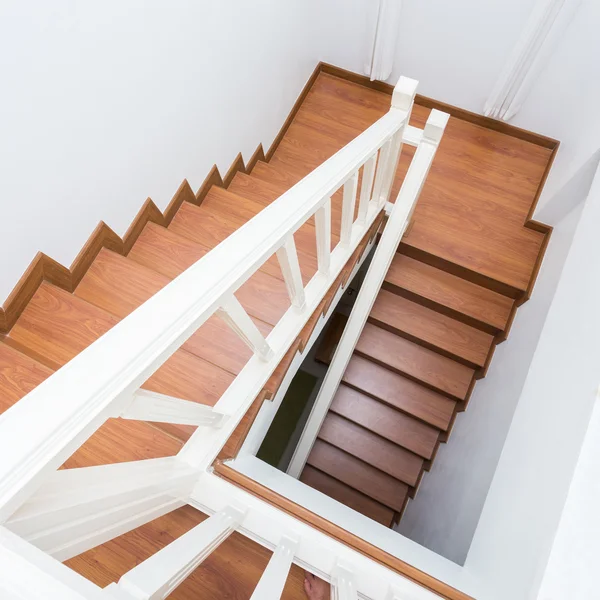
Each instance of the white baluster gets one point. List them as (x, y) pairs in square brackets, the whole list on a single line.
[(366, 188), (343, 586), (77, 509), (159, 575), (272, 582), (348, 204), (160, 408), (323, 233), (235, 315), (384, 155), (290, 268)]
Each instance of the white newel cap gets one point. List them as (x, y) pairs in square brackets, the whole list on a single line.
[(434, 128), (404, 93)]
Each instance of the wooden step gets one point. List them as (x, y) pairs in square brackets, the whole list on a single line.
[(391, 424), (451, 295), (57, 325), (263, 296), (431, 329), (372, 449), (215, 341), (358, 475), (399, 392), (411, 360), (346, 495), (19, 374), (231, 571), (212, 222)]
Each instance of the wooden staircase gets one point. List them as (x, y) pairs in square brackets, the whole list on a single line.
[(430, 335)]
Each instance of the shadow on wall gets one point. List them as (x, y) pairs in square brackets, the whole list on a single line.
[(445, 513)]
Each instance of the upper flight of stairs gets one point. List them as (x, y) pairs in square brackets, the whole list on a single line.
[(430, 331)]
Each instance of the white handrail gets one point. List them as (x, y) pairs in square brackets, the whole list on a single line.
[(398, 222), (43, 429)]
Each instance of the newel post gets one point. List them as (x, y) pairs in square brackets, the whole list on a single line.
[(403, 99)]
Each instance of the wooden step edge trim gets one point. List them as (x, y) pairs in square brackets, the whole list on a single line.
[(338, 533), (399, 514), (443, 309), (45, 268), (459, 113), (463, 272), (415, 378)]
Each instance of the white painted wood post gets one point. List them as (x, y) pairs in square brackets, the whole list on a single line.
[(160, 408), (235, 315), (343, 586), (366, 188), (77, 509), (323, 233), (159, 575), (27, 573), (290, 268), (403, 99), (272, 582), (382, 162), (348, 204), (385, 252)]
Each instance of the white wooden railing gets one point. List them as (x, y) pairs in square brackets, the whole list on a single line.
[(49, 515)]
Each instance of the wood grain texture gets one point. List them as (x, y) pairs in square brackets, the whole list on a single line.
[(399, 392), (358, 475), (385, 421), (442, 589), (446, 293), (59, 325), (372, 449), (346, 495), (411, 360), (231, 571), (431, 329)]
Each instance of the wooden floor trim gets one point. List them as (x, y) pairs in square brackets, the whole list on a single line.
[(349, 539), (459, 113), (44, 268)]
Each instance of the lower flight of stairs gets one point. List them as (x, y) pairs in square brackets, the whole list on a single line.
[(430, 335)]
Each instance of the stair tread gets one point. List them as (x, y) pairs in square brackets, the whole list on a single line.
[(385, 421), (450, 291), (358, 475), (399, 392), (19, 374), (213, 221), (415, 361), (214, 341), (346, 495), (434, 329), (263, 296), (59, 325), (372, 449)]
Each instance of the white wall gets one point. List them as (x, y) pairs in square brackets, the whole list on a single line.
[(106, 103), (457, 49), (572, 571), (445, 512), (527, 495), (563, 102)]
